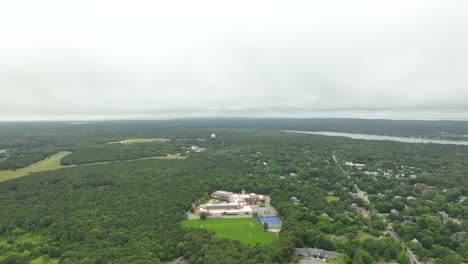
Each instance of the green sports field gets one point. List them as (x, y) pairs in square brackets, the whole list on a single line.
[(246, 230)]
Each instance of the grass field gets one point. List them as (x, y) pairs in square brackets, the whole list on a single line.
[(341, 259), (3, 151), (51, 163), (364, 235), (331, 198), (142, 140), (44, 260), (245, 230)]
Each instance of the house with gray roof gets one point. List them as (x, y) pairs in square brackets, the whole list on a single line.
[(443, 214), (461, 234), (315, 252), (294, 199), (416, 241), (339, 238)]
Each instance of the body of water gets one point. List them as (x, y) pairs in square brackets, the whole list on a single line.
[(379, 137)]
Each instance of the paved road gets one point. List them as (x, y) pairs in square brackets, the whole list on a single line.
[(392, 234), (413, 259), (360, 193), (311, 261), (267, 210), (339, 166)]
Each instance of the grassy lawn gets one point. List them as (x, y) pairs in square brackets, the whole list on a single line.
[(454, 220), (245, 230), (44, 260), (3, 151), (364, 235), (331, 198), (341, 259), (51, 163), (382, 260), (142, 140)]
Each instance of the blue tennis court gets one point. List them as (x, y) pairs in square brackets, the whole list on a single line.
[(273, 222)]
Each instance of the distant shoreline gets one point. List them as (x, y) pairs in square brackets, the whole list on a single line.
[(381, 137)]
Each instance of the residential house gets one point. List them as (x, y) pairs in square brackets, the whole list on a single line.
[(416, 241), (339, 238), (443, 214), (359, 166), (315, 252), (294, 200), (461, 235)]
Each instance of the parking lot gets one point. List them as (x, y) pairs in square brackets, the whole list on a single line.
[(266, 210)]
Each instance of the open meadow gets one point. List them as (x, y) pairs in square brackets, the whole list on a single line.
[(44, 260), (331, 198), (364, 235), (245, 230), (142, 140), (51, 163)]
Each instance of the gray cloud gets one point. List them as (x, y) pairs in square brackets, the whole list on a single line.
[(111, 59)]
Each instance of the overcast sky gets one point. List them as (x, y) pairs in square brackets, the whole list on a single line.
[(70, 60)]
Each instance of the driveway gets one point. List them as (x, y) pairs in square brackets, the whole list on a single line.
[(267, 210)]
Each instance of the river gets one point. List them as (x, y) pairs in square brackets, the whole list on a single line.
[(379, 137)]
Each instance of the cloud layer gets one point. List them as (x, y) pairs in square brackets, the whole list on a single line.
[(146, 59)]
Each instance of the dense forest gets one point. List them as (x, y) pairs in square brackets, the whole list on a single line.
[(130, 212)]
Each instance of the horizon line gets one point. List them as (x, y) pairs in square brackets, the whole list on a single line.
[(220, 117)]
